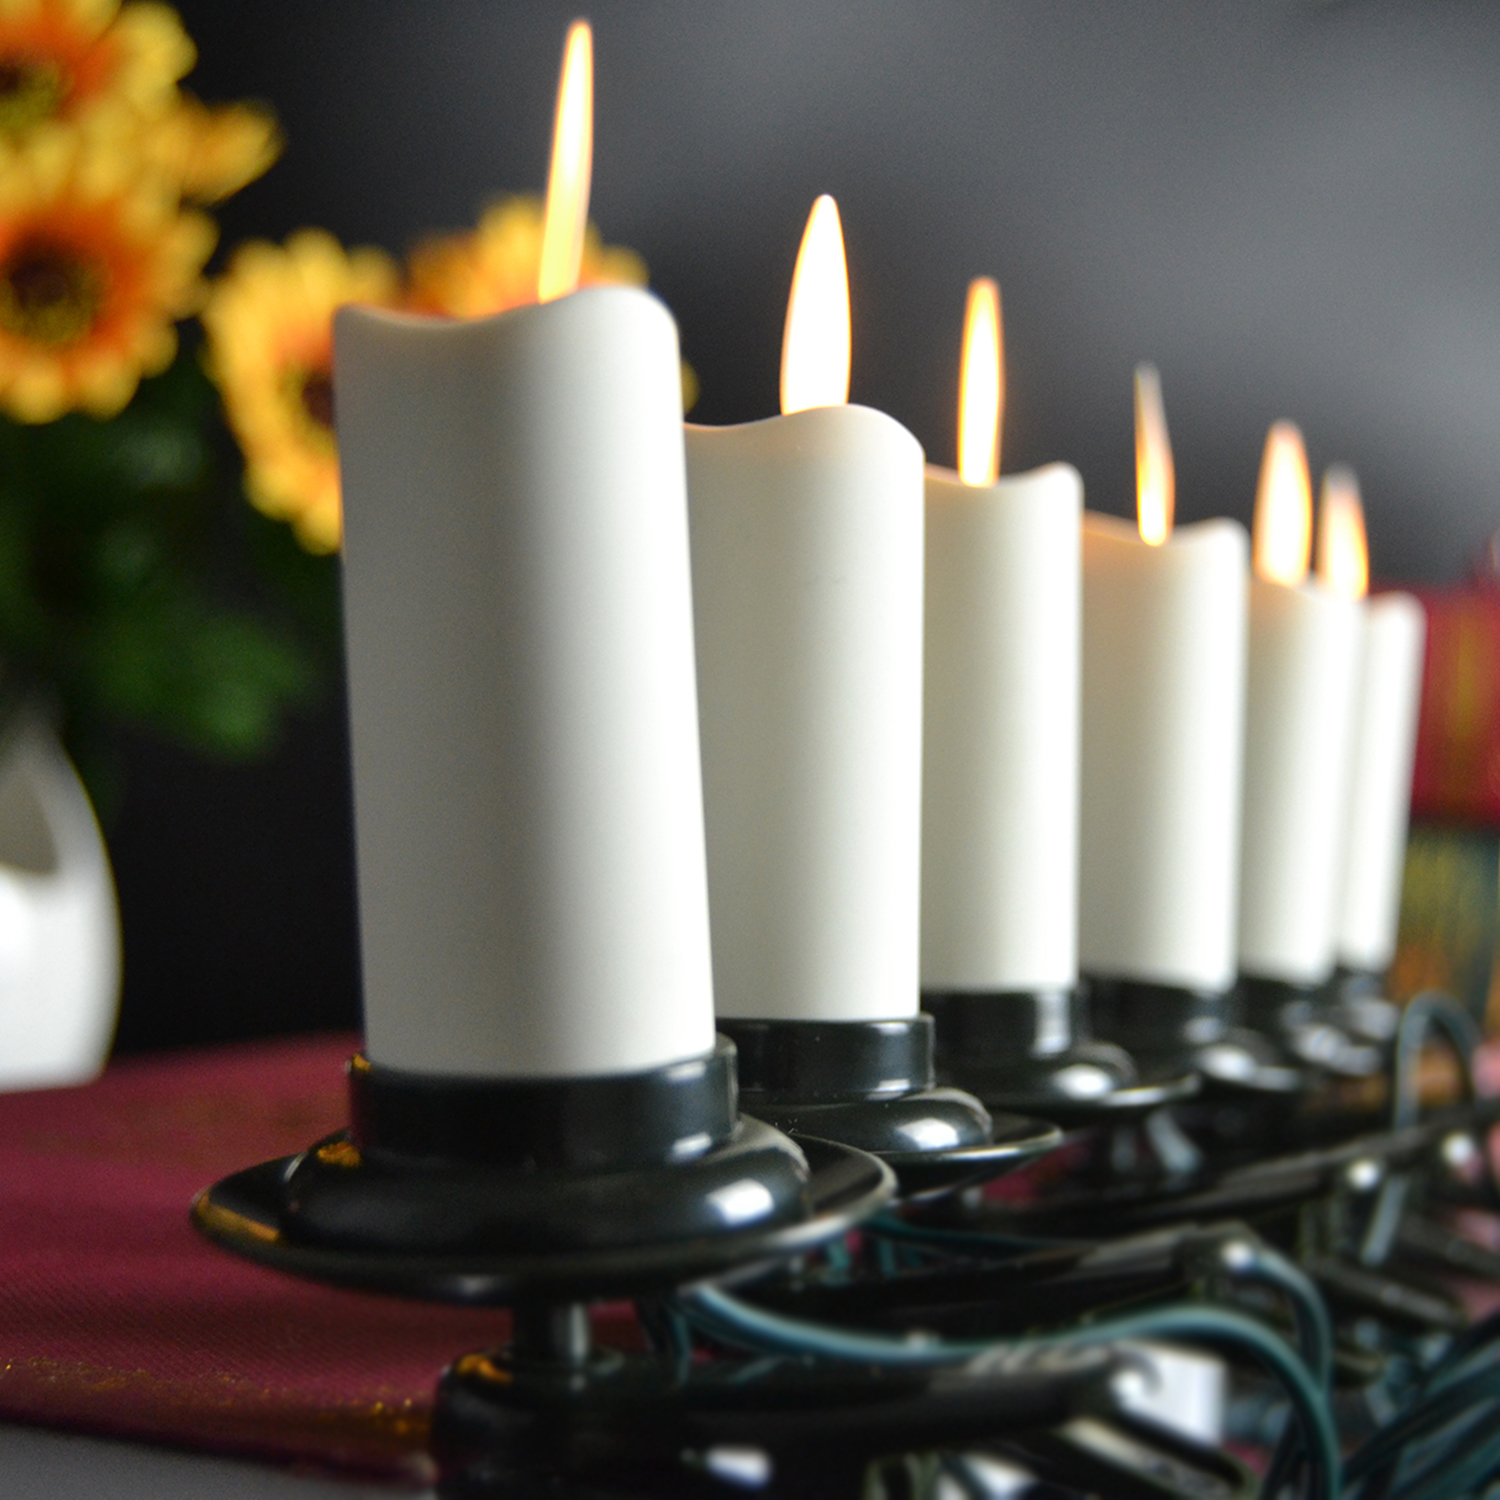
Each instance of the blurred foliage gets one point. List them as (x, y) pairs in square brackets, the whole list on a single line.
[(138, 591)]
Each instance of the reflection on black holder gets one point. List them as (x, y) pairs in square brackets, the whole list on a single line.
[(1032, 1050), (1299, 1019), (1168, 1027), (1355, 999), (870, 1084), (492, 1189)]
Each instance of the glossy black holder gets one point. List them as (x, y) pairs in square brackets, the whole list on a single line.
[(1166, 1027), (485, 1190), (872, 1085), (1032, 1051), (1299, 1019), (1356, 1000)]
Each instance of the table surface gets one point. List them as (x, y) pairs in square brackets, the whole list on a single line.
[(37, 1464), (118, 1320)]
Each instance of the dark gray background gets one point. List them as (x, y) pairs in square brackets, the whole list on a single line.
[(1292, 208)]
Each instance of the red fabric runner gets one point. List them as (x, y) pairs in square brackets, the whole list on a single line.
[(117, 1318)]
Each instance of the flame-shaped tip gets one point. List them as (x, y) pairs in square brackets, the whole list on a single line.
[(1282, 539), (1155, 475), (1343, 554), (981, 399), (815, 347), (572, 166)]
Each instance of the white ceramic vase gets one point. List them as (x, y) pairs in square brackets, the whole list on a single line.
[(59, 921)]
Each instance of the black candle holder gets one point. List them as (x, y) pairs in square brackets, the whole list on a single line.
[(1356, 1000), (1032, 1051), (872, 1084), (1299, 1019), (535, 1190), (1168, 1027)]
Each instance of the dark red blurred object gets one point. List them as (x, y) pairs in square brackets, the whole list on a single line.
[(1457, 775)]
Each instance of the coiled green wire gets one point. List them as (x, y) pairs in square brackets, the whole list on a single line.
[(727, 1317), (1250, 1261), (1431, 1010)]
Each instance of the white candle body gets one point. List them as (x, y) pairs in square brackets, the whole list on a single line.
[(517, 603), (807, 579), (1163, 724), (1000, 746), (1299, 706), (1385, 741)]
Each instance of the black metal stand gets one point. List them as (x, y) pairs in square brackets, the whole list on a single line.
[(870, 1084), (1299, 1020), (505, 1190), (1167, 1027), (546, 1195), (1032, 1052), (593, 1425), (1355, 999)]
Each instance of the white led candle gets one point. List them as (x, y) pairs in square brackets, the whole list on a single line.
[(518, 622), (1387, 705), (807, 582), (1001, 709), (1163, 704), (1374, 851), (1303, 660)]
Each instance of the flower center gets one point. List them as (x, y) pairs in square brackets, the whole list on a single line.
[(317, 397), (49, 293), (31, 89)]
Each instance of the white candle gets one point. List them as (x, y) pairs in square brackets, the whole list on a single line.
[(1387, 705), (1000, 717), (522, 707), (807, 580), (1303, 659), (523, 716), (1380, 784), (1163, 705)]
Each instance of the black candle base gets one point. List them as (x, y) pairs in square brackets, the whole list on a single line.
[(871, 1084), (1164, 1027), (481, 1190), (1299, 1019), (1031, 1051), (1356, 1000)]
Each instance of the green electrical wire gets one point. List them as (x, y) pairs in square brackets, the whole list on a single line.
[(724, 1316), (1243, 1257), (1424, 1012)]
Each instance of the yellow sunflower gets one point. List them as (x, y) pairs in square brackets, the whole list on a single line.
[(97, 261), (495, 266), (213, 150), (270, 349), (61, 60)]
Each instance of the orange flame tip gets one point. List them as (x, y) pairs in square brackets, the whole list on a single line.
[(981, 399), (572, 167), (1282, 535), (1155, 475), (1343, 553), (815, 347)]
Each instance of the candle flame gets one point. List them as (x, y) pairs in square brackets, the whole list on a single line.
[(1282, 540), (1343, 555), (981, 398), (572, 165), (1155, 476), (815, 347)]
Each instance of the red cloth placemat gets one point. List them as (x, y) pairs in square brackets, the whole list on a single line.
[(117, 1318)]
